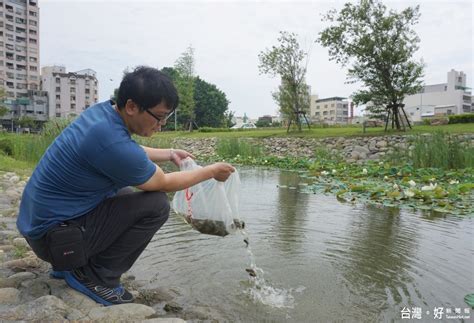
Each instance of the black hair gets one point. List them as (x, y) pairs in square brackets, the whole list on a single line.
[(147, 87)]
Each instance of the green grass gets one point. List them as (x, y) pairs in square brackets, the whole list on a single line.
[(441, 151), (318, 132), (232, 147), (9, 164)]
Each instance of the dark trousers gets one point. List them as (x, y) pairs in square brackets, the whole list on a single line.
[(116, 233)]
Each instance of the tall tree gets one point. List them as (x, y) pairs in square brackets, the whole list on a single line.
[(184, 65), (3, 109), (379, 46), (211, 104), (287, 61)]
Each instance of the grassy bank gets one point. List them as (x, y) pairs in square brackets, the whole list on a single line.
[(317, 132), (437, 174)]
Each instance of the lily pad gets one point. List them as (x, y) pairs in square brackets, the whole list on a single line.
[(469, 299)]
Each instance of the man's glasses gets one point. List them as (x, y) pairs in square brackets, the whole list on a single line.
[(160, 119)]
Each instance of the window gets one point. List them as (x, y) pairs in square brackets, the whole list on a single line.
[(32, 41), (73, 98), (32, 13), (73, 106), (317, 107), (33, 22), (332, 105), (33, 59), (87, 91), (58, 96), (317, 114), (58, 89), (72, 81), (32, 32), (58, 115), (33, 68), (325, 106), (73, 90), (58, 80)]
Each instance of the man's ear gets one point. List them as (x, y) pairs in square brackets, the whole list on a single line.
[(131, 107)]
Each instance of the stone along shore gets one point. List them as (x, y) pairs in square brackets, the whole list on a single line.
[(27, 293)]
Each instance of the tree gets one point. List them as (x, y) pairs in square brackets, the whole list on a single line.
[(185, 85), (379, 46), (3, 109), (286, 61), (26, 122), (211, 104)]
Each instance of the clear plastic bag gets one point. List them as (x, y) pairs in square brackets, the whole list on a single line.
[(210, 207)]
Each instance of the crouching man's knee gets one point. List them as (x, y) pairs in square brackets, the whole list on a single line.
[(158, 206)]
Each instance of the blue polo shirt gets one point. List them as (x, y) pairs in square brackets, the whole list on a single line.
[(87, 163)]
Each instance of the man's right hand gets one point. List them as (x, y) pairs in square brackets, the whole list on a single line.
[(221, 171)]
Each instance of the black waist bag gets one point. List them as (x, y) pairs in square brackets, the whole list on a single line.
[(66, 246)]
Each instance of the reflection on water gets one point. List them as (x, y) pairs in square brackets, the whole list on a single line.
[(336, 262), (291, 211)]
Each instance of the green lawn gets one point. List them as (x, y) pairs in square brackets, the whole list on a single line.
[(351, 131)]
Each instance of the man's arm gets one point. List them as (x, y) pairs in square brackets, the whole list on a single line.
[(177, 181), (160, 155)]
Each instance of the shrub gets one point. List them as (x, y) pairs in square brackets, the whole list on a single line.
[(441, 151), (230, 148), (6, 146), (210, 129), (462, 118)]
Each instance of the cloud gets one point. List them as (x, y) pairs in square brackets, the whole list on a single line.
[(109, 36)]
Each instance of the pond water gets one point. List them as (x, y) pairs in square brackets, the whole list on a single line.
[(321, 260)]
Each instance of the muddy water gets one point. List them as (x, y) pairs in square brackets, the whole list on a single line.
[(315, 258)]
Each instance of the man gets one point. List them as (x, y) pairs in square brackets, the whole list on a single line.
[(78, 211)]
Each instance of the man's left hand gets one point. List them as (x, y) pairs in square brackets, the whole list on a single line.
[(177, 155)]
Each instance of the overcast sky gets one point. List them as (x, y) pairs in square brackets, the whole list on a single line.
[(109, 36)]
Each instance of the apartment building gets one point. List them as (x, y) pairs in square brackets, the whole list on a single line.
[(19, 53), (334, 110), (70, 93), (442, 99)]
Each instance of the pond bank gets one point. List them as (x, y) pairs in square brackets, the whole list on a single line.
[(351, 149), (27, 292)]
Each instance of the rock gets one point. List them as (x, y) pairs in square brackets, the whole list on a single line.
[(33, 289), (76, 315), (173, 307), (153, 296), (164, 320), (46, 308), (381, 143), (20, 242), (71, 297), (361, 149), (7, 247), (9, 296), (16, 279), (14, 179), (123, 312), (355, 155), (8, 234), (23, 264)]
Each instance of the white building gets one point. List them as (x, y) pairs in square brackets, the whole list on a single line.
[(440, 99), (19, 52), (69, 93), (334, 110)]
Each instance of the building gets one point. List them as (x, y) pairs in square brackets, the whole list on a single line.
[(19, 53), (332, 110), (69, 93), (443, 99)]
